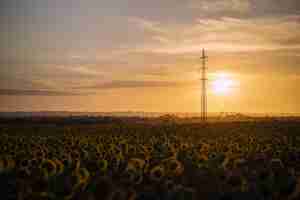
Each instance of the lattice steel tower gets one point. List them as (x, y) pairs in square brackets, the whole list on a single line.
[(203, 91)]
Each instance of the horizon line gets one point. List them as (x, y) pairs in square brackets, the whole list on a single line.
[(153, 112)]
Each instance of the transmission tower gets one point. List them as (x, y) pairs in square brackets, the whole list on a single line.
[(203, 91)]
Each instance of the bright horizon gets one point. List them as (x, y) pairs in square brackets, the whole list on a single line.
[(100, 56)]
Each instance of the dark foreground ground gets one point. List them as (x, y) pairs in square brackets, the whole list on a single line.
[(157, 159)]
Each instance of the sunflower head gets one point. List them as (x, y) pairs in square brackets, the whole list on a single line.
[(103, 165), (75, 165), (8, 163), (49, 167), (136, 163), (59, 166), (83, 175), (157, 173)]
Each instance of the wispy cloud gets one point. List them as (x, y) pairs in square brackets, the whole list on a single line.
[(249, 8), (145, 24), (78, 71), (137, 84), (224, 34), (213, 6), (16, 92)]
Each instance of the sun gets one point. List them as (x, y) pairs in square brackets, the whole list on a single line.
[(223, 84)]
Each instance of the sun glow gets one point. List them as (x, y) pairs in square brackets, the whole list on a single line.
[(223, 84)]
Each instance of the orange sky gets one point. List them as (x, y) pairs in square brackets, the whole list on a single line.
[(144, 56)]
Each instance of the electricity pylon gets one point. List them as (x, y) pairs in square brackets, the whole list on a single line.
[(203, 91)]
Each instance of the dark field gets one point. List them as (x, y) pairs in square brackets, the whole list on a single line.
[(154, 158)]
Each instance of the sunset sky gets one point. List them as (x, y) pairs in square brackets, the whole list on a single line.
[(141, 55)]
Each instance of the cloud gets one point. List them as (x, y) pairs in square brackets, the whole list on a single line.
[(217, 6), (225, 34), (80, 71), (245, 8), (16, 92), (145, 24), (137, 84)]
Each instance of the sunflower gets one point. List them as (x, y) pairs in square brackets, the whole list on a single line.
[(75, 164), (24, 163), (84, 155), (147, 149), (204, 147), (49, 167), (201, 162), (239, 163), (83, 175), (131, 150), (136, 163), (157, 173), (103, 165), (226, 162), (8, 163), (59, 166), (173, 167)]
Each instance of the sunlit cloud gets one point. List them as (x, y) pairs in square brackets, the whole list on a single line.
[(239, 6), (79, 70), (137, 84), (224, 34), (16, 92)]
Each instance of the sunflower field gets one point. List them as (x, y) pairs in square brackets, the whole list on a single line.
[(142, 160)]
